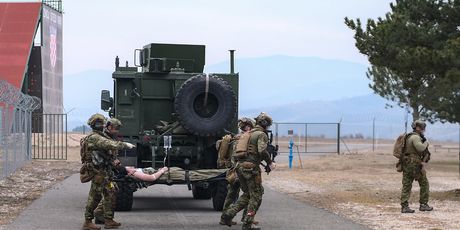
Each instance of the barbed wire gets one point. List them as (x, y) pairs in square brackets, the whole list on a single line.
[(13, 96)]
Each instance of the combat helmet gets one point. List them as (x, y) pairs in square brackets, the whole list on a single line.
[(418, 123), (244, 121), (115, 123), (264, 120), (96, 121)]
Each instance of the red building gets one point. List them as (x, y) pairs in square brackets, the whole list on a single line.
[(31, 50)]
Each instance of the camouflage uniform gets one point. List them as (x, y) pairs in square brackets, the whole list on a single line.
[(233, 189), (101, 184), (250, 178), (99, 211), (412, 162)]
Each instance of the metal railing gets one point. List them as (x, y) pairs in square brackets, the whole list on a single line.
[(15, 127), (49, 138)]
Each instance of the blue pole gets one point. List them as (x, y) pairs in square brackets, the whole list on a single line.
[(291, 144)]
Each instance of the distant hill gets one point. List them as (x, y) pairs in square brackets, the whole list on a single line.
[(292, 89), (82, 94), (266, 81), (279, 80)]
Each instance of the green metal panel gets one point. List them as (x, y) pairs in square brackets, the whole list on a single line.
[(163, 57), (157, 99)]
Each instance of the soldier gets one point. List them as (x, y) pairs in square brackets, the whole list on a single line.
[(95, 149), (250, 150), (111, 129), (233, 187), (412, 165)]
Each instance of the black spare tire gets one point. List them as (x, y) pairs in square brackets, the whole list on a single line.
[(205, 105)]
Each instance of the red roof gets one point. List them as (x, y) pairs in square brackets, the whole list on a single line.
[(18, 23)]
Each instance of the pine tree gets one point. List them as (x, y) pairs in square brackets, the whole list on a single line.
[(413, 52)]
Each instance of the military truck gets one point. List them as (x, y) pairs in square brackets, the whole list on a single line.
[(174, 113)]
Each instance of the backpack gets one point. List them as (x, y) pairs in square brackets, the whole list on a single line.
[(223, 157), (86, 171), (400, 145), (84, 153)]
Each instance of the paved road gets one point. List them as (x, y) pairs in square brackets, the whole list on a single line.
[(164, 207)]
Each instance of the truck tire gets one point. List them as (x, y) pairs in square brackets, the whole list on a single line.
[(124, 195), (212, 117), (219, 195), (201, 193)]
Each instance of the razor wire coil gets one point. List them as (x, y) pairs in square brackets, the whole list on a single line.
[(13, 96)]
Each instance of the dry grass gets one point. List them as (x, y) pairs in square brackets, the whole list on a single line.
[(30, 182), (366, 188)]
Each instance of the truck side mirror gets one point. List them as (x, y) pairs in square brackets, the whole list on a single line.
[(106, 100), (139, 54)]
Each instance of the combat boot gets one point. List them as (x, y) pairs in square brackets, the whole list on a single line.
[(406, 209), (226, 219), (253, 222), (110, 224), (99, 218), (88, 225), (222, 222), (251, 227), (425, 207)]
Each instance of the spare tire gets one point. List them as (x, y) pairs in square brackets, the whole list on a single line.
[(205, 113)]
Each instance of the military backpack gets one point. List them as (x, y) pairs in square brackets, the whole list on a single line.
[(86, 171)]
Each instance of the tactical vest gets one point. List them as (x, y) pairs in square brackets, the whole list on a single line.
[(88, 156), (241, 147), (252, 153), (411, 152)]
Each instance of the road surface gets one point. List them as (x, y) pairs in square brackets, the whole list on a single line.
[(170, 207)]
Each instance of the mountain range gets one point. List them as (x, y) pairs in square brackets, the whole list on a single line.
[(291, 89)]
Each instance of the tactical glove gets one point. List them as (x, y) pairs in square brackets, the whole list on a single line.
[(129, 145), (272, 166)]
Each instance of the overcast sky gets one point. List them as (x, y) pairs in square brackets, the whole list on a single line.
[(96, 31)]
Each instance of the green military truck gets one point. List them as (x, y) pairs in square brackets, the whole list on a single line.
[(165, 98)]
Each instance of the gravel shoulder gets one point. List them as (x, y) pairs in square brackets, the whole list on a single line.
[(365, 187)]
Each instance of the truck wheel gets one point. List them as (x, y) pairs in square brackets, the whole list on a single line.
[(201, 193), (124, 195), (205, 113), (219, 195)]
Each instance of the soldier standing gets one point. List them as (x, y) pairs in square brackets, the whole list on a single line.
[(413, 160), (251, 149), (233, 187), (95, 149), (111, 129)]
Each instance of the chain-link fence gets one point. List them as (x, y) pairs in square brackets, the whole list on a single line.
[(362, 133), (307, 137), (15, 127)]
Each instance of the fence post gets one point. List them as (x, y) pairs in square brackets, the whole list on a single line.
[(338, 138), (373, 135)]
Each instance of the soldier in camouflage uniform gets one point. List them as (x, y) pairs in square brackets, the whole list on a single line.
[(412, 165), (233, 188), (249, 173), (111, 129), (98, 148)]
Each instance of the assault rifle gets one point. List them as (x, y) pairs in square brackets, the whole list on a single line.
[(271, 149), (426, 156)]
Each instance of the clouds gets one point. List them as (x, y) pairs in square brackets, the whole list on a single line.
[(96, 31)]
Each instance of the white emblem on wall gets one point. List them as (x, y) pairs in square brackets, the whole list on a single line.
[(53, 46)]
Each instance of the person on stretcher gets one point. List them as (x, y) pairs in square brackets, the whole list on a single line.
[(138, 173), (174, 173)]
